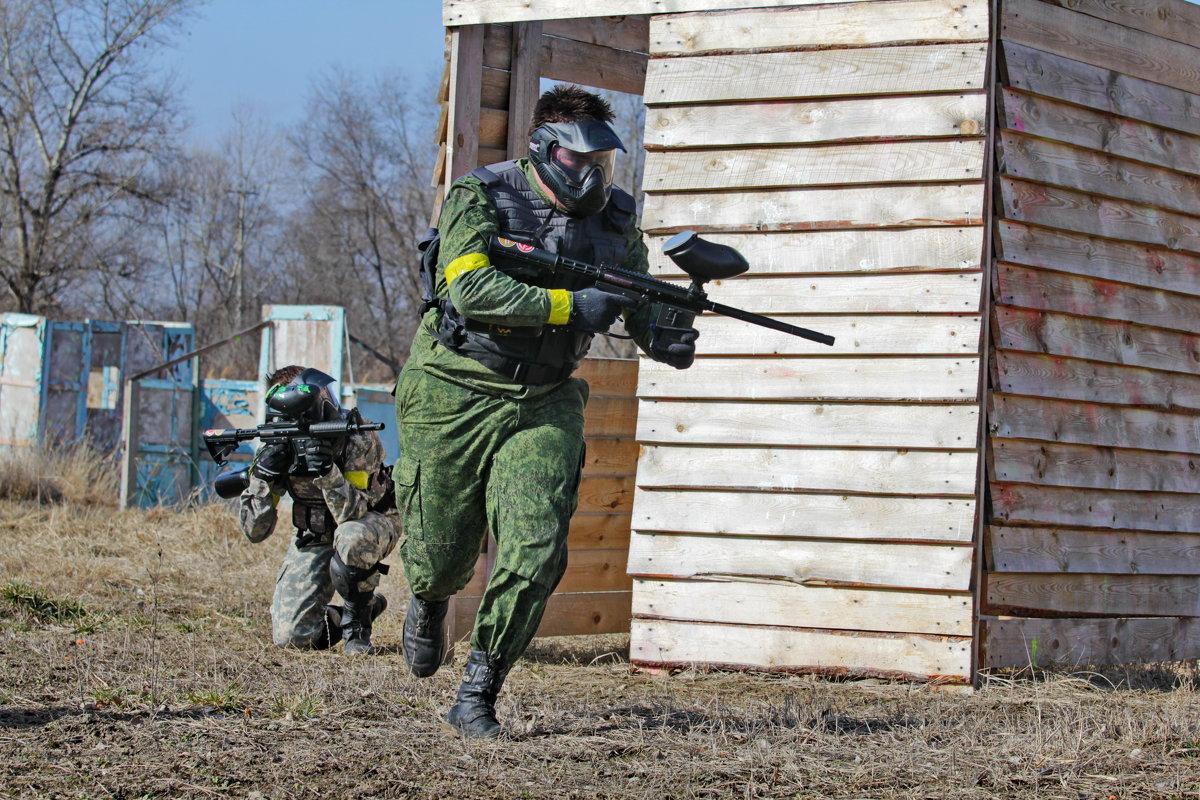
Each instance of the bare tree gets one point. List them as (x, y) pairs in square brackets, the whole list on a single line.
[(81, 123), (367, 154)]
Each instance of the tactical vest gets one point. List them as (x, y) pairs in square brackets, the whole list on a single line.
[(544, 353)]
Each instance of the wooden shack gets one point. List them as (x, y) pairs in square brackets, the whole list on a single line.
[(992, 204)]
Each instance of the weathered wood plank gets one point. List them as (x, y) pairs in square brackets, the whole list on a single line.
[(745, 602), (1178, 20), (826, 26), (930, 292), (1013, 417), (664, 643), (817, 251), (622, 33), (1023, 504), (492, 133), (596, 571), (1093, 382), (1043, 290), (609, 376), (931, 379), (606, 494), (802, 561), (891, 334), (1054, 464), (1085, 85), (840, 120), (1095, 339), (524, 84), (1099, 130), (808, 424), (567, 614), (496, 85), (833, 516), (917, 69), (807, 209), (814, 165), (1097, 172), (594, 65), (1080, 642), (466, 67), (1102, 44), (1079, 254), (868, 471), (474, 12), (595, 531), (1012, 549), (1026, 593), (610, 417), (491, 155), (612, 457), (1056, 207)]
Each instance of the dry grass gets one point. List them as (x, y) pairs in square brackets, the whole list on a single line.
[(73, 475), (136, 662)]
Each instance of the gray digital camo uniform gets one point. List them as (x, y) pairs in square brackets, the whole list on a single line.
[(362, 538)]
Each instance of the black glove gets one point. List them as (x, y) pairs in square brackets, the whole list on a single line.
[(272, 461), (595, 310), (318, 455), (674, 347)]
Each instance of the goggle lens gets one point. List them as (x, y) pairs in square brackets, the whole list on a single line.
[(577, 165)]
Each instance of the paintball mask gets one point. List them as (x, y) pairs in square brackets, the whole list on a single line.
[(575, 160), (308, 398)]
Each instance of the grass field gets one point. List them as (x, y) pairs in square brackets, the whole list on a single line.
[(135, 662)]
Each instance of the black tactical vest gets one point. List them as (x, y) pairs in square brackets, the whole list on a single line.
[(544, 353)]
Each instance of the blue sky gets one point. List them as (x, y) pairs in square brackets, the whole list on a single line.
[(264, 53)]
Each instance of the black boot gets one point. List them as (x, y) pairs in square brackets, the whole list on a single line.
[(360, 610), (473, 715), (331, 633), (425, 636)]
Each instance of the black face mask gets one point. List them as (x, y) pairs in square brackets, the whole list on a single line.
[(575, 161)]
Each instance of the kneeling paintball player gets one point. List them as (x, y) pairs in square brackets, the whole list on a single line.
[(344, 517)]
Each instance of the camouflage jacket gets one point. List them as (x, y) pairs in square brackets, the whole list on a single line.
[(349, 490), (485, 294)]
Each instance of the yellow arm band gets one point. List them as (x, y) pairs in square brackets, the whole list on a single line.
[(560, 306), (465, 264), (357, 479)]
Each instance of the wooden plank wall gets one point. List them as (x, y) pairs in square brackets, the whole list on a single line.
[(1091, 555), (494, 71), (594, 595), (801, 507)]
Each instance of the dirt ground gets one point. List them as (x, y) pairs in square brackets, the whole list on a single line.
[(135, 662)]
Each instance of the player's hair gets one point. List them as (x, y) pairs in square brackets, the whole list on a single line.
[(285, 375), (567, 103)]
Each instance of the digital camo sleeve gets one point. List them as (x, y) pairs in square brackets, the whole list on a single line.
[(350, 490), (258, 513)]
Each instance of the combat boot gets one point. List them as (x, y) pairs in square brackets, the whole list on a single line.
[(331, 632), (424, 635), (473, 715), (360, 610)]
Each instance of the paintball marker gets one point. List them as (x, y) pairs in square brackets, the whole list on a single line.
[(702, 260), (289, 407)]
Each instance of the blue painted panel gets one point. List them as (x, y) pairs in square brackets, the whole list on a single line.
[(378, 405)]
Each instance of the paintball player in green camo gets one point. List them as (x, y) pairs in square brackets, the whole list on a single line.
[(345, 524), (490, 419)]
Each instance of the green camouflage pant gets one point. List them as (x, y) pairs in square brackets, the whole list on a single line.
[(470, 461), (304, 586)]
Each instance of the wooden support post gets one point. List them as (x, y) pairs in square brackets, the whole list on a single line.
[(466, 80), (130, 433), (524, 84)]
